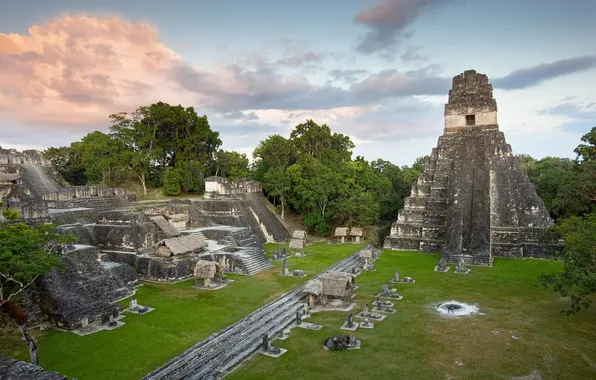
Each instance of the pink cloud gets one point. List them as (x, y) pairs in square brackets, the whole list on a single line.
[(78, 70)]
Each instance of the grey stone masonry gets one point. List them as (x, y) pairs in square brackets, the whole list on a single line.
[(473, 199), (11, 369)]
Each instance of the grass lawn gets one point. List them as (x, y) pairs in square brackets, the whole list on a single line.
[(520, 330), (183, 317)]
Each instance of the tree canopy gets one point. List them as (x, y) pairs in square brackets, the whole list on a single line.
[(314, 174), (569, 190)]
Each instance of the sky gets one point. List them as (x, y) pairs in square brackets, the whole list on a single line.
[(378, 71)]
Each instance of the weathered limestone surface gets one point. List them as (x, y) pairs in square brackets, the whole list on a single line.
[(11, 369), (85, 288), (472, 199)]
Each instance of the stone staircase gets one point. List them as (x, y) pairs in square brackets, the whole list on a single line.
[(479, 260), (253, 259), (420, 224), (38, 180), (258, 205)]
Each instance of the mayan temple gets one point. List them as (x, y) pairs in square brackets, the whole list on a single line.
[(472, 200)]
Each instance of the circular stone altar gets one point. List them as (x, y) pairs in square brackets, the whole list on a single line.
[(456, 308)]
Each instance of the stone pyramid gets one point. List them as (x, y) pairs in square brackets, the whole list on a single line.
[(472, 200)]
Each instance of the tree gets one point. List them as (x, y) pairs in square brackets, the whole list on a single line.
[(314, 140), (577, 281), (587, 151), (138, 146), (26, 253), (101, 157), (68, 162), (272, 158), (231, 165)]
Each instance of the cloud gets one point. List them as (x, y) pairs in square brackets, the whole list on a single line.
[(392, 83), (347, 75), (535, 75), (572, 110), (579, 117), (239, 115), (388, 21), (411, 54), (78, 70), (301, 58)]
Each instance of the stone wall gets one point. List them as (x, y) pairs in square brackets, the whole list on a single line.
[(155, 268), (219, 186), (29, 157), (12, 369)]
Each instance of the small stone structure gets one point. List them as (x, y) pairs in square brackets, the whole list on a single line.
[(366, 257), (341, 233), (442, 265), (473, 198), (355, 234), (208, 274), (179, 245), (216, 187), (341, 342), (298, 242), (461, 266), (329, 287)]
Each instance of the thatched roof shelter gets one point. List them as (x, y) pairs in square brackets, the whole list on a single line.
[(206, 269), (341, 231), (165, 226), (179, 245), (355, 231), (299, 234), (335, 284), (297, 244), (366, 253)]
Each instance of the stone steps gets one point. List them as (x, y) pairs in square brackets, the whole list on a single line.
[(38, 180), (222, 352), (258, 204)]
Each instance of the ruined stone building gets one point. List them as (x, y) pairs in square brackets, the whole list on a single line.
[(120, 240), (472, 199)]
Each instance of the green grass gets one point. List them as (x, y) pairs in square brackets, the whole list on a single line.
[(416, 343), (183, 317)]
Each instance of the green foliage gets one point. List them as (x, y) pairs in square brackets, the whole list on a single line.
[(314, 173), (577, 281), (141, 146), (587, 151), (67, 160), (230, 164), (171, 181), (10, 213), (318, 222), (192, 177), (25, 254)]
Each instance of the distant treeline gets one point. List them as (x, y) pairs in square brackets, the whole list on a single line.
[(311, 173)]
